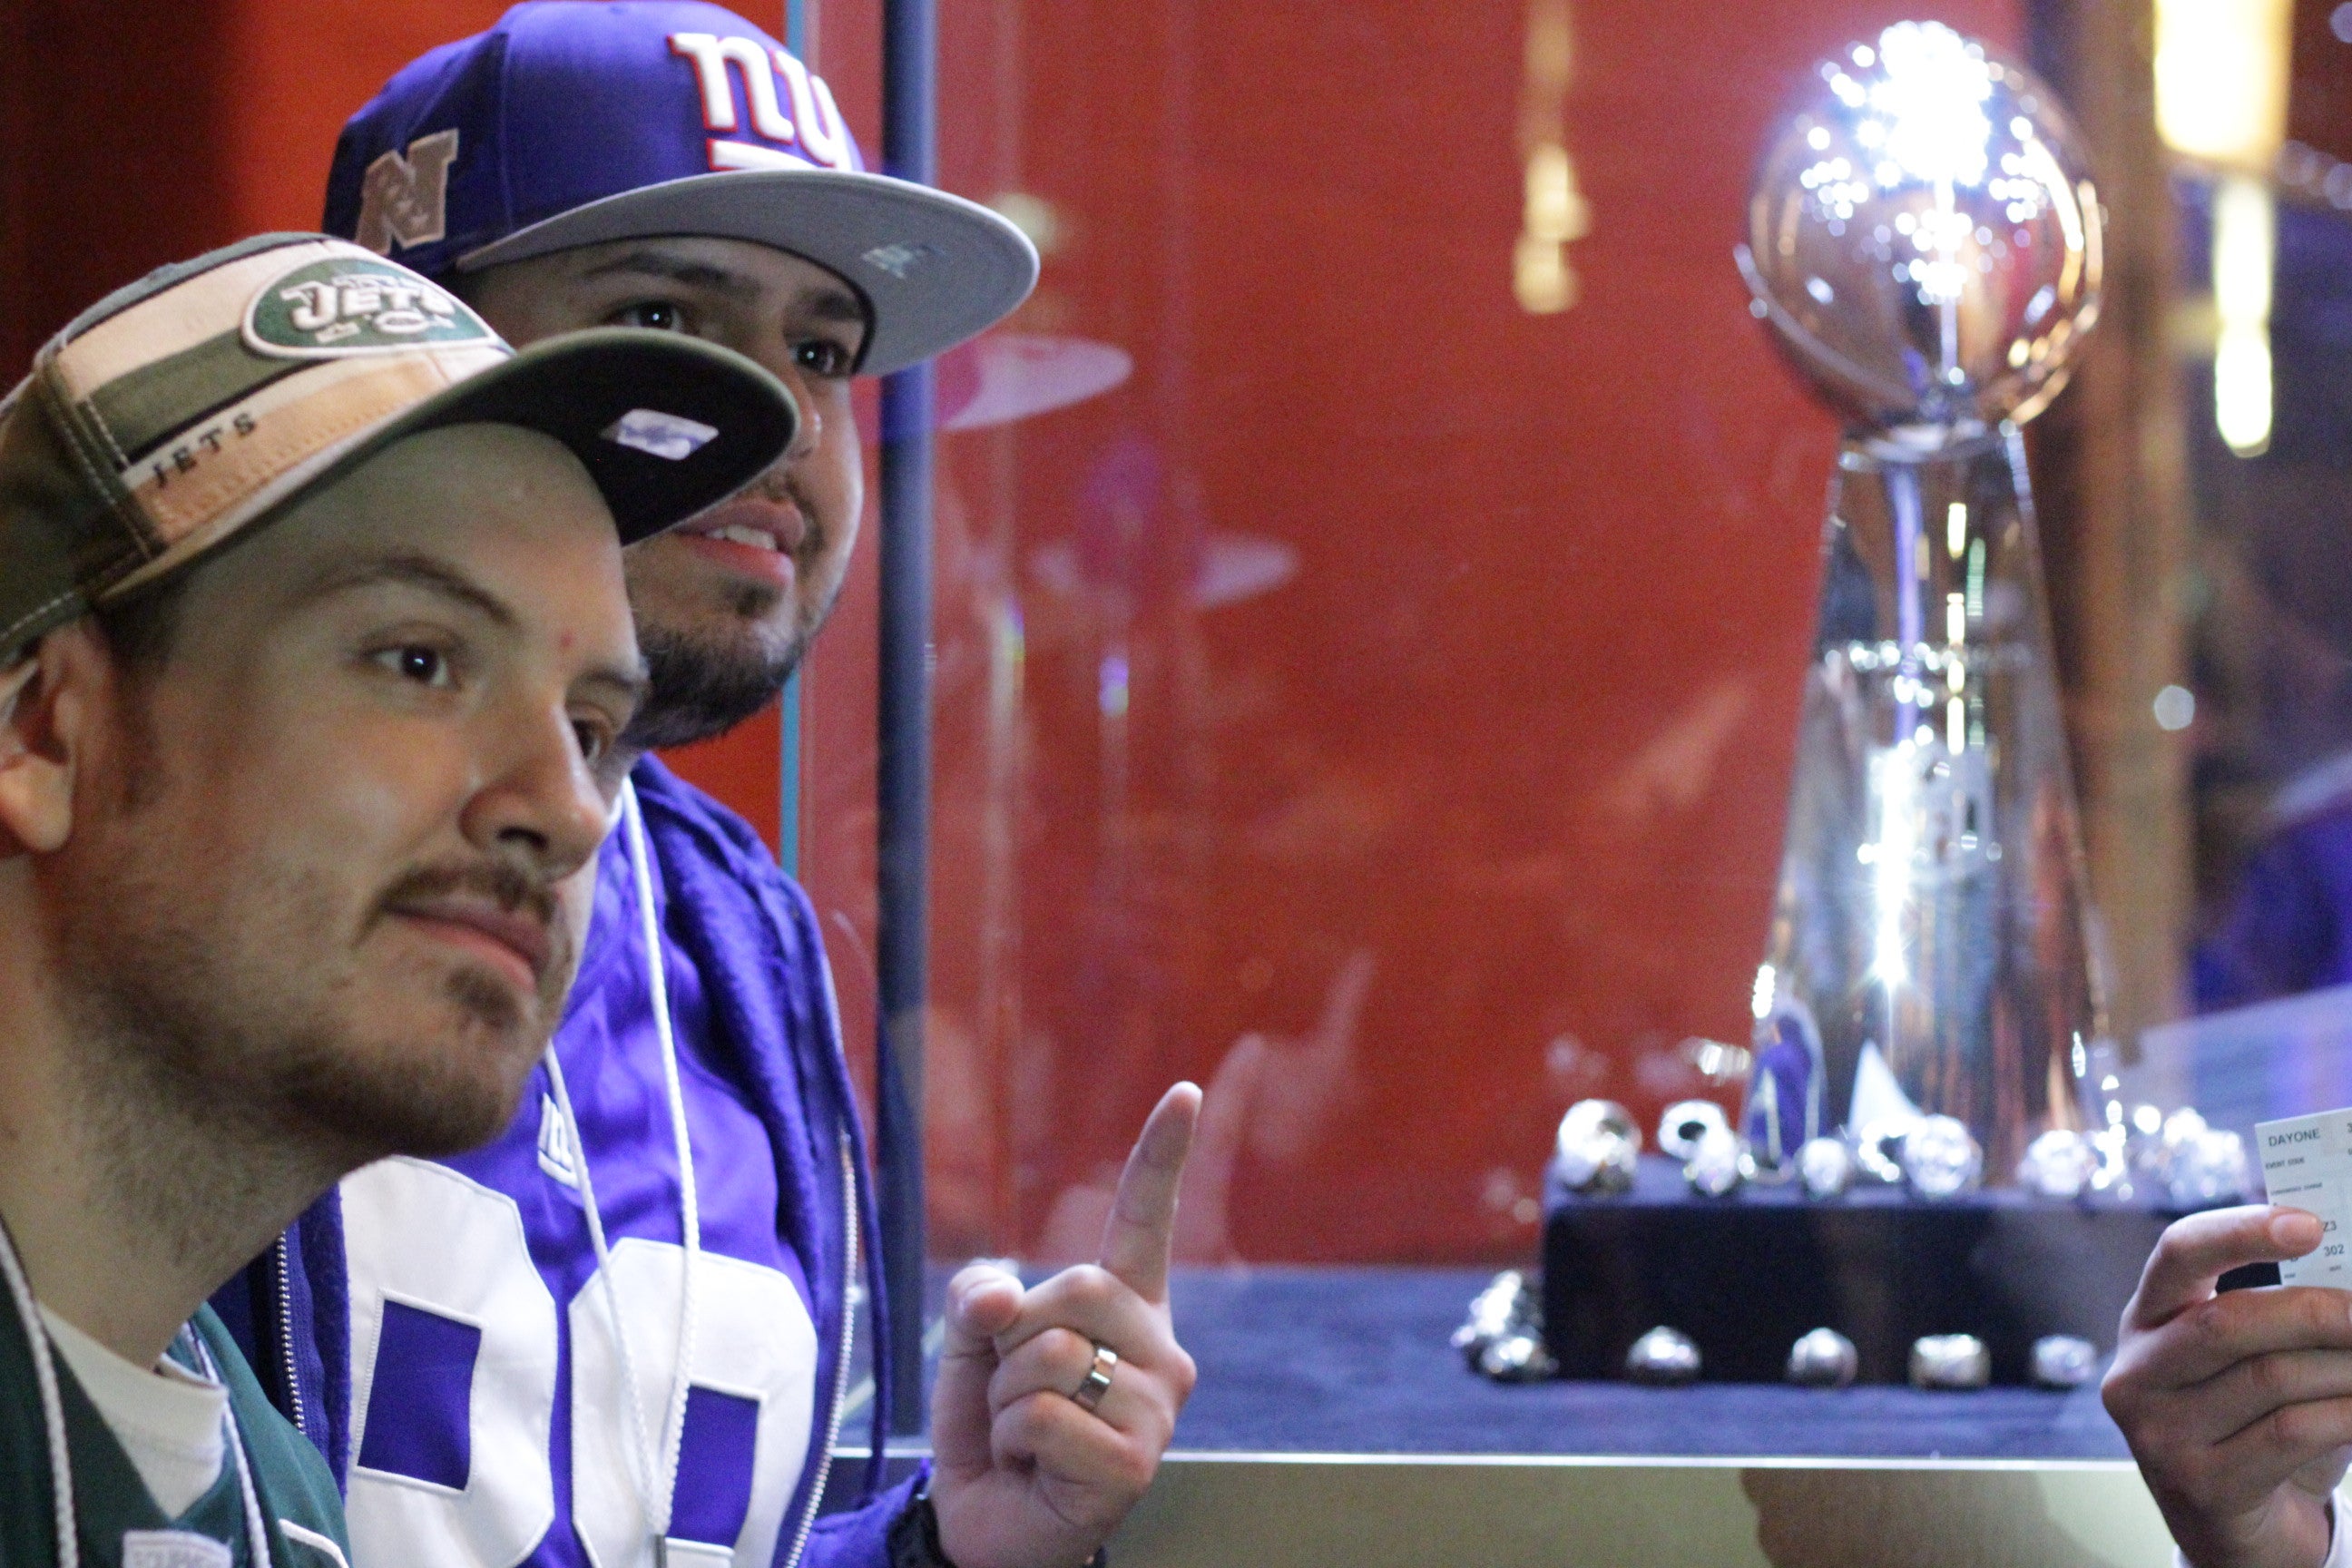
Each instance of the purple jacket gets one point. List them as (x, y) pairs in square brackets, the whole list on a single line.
[(754, 938)]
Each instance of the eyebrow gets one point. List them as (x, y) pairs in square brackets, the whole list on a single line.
[(834, 305), (628, 682), (826, 303), (413, 571), (696, 274)]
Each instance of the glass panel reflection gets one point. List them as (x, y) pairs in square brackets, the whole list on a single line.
[(1377, 579)]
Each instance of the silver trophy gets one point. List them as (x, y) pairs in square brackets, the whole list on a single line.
[(1923, 242)]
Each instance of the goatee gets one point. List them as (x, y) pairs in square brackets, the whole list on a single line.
[(704, 687)]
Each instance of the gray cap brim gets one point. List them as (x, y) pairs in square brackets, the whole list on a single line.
[(936, 268)]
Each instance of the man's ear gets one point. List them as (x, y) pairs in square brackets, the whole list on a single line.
[(44, 724)]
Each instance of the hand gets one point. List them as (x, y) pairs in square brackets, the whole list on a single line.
[(2238, 1406), (1023, 1476)]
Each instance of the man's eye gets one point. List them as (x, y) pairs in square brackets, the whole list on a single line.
[(822, 356), (592, 738), (415, 662), (656, 315)]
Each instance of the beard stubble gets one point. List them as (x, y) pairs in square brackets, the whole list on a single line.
[(195, 989)]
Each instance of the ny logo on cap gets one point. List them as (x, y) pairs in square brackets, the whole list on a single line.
[(407, 199), (814, 125)]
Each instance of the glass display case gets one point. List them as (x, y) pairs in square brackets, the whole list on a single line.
[(1371, 691), (1376, 578)]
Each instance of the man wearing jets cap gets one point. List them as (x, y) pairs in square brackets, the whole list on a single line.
[(621, 1332), (314, 656)]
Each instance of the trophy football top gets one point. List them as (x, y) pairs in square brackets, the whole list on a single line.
[(1922, 237)]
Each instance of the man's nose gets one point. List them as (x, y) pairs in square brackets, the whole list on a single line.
[(538, 806), (810, 431)]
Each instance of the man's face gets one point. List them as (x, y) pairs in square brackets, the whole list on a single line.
[(326, 866), (727, 603)]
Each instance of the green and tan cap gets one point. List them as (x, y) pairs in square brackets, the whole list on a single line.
[(207, 397)]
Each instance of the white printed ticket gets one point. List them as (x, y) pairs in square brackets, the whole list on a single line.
[(2307, 1164)]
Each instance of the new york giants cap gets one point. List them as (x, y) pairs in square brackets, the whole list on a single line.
[(204, 399), (573, 122)]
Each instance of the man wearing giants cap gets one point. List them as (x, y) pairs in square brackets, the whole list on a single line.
[(621, 1333)]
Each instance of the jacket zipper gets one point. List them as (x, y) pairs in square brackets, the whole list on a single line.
[(285, 1333), (849, 1266)]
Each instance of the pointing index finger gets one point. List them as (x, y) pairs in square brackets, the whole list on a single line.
[(1143, 1224)]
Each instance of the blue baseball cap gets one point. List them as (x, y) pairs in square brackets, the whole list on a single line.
[(574, 123)]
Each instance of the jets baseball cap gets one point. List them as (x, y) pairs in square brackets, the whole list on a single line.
[(205, 398), (572, 123)]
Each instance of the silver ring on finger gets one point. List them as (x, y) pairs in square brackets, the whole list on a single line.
[(1089, 1394)]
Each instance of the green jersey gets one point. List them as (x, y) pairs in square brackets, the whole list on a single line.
[(116, 1523)]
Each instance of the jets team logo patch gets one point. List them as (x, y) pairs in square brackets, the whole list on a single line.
[(327, 310)]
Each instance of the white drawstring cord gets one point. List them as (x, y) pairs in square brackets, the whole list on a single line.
[(656, 1473), (53, 1409), (257, 1534), (689, 1205), (637, 1449)]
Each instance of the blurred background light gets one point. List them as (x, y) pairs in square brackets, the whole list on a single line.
[(2176, 708), (2222, 67), (1556, 211), (2221, 72), (2245, 244)]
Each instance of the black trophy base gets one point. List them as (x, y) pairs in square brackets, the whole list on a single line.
[(1746, 1275)]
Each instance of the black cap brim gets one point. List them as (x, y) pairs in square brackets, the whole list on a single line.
[(582, 387)]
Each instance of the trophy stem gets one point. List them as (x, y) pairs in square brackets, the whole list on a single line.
[(1931, 924)]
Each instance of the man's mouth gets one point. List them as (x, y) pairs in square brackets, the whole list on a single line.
[(515, 944), (754, 535)]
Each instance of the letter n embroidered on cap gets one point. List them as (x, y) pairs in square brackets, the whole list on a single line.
[(405, 200), (173, 1549), (328, 309)]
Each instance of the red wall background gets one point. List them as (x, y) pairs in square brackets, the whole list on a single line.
[(1473, 808)]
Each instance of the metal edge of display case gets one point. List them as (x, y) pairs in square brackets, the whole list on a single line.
[(1372, 1511)]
